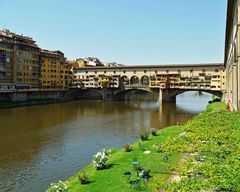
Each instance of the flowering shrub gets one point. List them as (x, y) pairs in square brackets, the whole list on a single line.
[(144, 173), (127, 147), (83, 178), (100, 159), (58, 187)]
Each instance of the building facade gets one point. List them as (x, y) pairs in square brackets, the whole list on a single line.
[(24, 66), (19, 61), (51, 70), (88, 62), (232, 55)]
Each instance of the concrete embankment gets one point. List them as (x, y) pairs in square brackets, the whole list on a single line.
[(15, 99)]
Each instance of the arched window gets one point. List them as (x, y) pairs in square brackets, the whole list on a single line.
[(134, 80), (145, 80)]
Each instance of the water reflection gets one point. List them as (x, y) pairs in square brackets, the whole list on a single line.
[(42, 144)]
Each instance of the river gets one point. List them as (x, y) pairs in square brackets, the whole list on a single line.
[(43, 144)]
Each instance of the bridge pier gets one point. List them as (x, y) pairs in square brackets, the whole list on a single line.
[(167, 96)]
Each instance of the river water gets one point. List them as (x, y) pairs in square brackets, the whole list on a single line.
[(43, 144)]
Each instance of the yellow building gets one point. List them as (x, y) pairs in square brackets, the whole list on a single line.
[(19, 61), (67, 74), (23, 65), (56, 72), (52, 70), (80, 63)]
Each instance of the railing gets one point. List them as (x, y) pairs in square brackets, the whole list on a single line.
[(136, 86)]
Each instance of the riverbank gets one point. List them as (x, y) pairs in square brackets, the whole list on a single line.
[(113, 178), (12, 104), (211, 141)]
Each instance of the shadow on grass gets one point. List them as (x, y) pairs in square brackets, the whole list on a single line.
[(108, 166), (88, 182)]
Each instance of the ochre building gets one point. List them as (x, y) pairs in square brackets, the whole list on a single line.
[(25, 66), (19, 61)]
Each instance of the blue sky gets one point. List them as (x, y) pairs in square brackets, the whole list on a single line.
[(126, 31)]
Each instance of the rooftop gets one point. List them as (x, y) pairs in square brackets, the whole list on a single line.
[(154, 66)]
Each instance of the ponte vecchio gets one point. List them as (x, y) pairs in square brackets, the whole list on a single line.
[(166, 80)]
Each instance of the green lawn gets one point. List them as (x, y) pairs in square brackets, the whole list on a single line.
[(113, 179), (216, 106)]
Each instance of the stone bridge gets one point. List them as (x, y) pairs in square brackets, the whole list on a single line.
[(165, 80)]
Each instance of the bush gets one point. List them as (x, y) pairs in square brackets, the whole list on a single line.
[(127, 147), (100, 159), (83, 178), (58, 187), (144, 135), (154, 132)]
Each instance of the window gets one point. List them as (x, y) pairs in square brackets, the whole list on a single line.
[(19, 60), (145, 71), (114, 72), (191, 70), (156, 71), (216, 70), (86, 72), (167, 71), (105, 71), (203, 70), (134, 71), (124, 71), (179, 71)]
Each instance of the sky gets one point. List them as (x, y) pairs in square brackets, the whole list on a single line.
[(131, 32)]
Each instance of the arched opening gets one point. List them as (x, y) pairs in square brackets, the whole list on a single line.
[(124, 80), (145, 80), (134, 94), (134, 80)]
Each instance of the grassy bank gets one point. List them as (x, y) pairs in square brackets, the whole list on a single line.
[(11, 104), (113, 179), (216, 106), (211, 141)]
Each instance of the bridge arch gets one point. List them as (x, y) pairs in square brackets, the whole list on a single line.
[(216, 93), (121, 95), (169, 95), (145, 80), (134, 80)]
